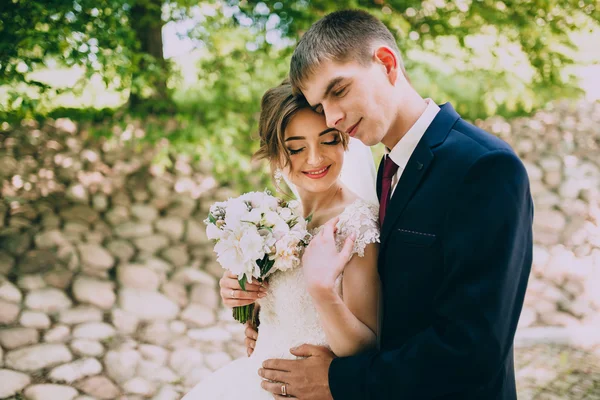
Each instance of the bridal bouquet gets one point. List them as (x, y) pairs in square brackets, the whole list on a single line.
[(255, 235)]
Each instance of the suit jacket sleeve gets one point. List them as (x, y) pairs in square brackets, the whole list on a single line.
[(487, 250)]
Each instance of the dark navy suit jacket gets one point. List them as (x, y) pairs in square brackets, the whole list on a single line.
[(454, 261)]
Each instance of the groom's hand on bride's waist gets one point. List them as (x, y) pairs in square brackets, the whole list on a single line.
[(305, 379)]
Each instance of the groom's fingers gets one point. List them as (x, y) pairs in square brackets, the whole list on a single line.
[(275, 388), (307, 350), (279, 364), (274, 375)]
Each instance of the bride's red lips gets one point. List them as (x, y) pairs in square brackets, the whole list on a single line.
[(317, 173)]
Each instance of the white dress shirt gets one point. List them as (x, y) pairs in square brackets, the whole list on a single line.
[(402, 151)]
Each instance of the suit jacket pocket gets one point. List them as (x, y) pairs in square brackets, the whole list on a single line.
[(415, 238)]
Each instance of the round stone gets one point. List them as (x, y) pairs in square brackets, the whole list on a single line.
[(95, 256), (173, 227), (94, 331), (79, 315), (151, 244), (121, 249), (36, 261), (58, 334), (31, 282), (9, 292), (48, 300), (34, 319), (13, 338), (130, 230), (147, 305), (99, 387), (184, 360), (139, 386), (124, 322), (121, 365), (87, 347), (94, 291), (155, 354), (35, 358), (9, 312), (138, 277), (50, 392), (199, 315), (76, 370), (12, 382), (144, 212)]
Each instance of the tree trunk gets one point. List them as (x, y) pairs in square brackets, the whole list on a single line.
[(149, 86)]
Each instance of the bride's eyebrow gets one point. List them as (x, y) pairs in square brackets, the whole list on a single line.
[(326, 131)]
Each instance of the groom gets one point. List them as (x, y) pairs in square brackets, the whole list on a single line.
[(456, 231)]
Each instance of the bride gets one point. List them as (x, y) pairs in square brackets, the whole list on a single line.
[(296, 306)]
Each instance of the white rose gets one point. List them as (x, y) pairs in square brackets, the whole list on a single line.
[(286, 253), (281, 229), (213, 233), (271, 202), (254, 216), (295, 206), (271, 218), (251, 243), (285, 213), (235, 213)]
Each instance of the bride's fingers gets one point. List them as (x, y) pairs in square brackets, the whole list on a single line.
[(250, 332), (330, 227), (348, 245), (232, 294), (231, 275), (228, 283), (237, 303)]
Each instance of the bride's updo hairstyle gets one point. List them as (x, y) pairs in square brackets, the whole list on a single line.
[(277, 108)]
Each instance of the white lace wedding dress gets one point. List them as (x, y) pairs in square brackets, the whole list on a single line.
[(288, 317)]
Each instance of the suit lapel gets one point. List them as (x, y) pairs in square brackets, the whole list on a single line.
[(409, 181), (417, 167), (379, 178)]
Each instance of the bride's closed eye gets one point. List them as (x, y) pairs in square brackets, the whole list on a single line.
[(333, 142)]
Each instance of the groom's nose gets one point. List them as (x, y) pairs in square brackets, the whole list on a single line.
[(333, 116)]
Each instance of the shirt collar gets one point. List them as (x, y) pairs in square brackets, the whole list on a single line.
[(402, 151)]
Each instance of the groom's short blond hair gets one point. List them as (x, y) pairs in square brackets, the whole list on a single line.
[(341, 36)]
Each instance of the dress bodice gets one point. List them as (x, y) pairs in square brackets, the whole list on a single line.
[(288, 316)]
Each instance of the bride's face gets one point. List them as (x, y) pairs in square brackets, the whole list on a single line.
[(316, 152)]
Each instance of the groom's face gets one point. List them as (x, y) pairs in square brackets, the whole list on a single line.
[(354, 98)]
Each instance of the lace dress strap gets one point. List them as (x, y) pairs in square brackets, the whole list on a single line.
[(360, 218)]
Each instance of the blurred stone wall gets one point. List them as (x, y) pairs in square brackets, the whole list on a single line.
[(561, 150), (107, 280), (108, 283)]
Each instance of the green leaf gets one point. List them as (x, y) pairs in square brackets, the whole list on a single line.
[(243, 282)]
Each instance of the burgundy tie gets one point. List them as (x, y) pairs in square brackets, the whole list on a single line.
[(389, 170)]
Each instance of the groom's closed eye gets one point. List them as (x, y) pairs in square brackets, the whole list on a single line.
[(341, 92)]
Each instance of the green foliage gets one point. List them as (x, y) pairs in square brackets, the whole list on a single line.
[(94, 34), (486, 56)]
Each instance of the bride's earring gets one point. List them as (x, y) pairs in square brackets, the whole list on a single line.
[(278, 175)]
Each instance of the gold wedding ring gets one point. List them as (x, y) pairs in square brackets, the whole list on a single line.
[(283, 390)]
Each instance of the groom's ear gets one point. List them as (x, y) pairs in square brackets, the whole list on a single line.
[(389, 61)]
